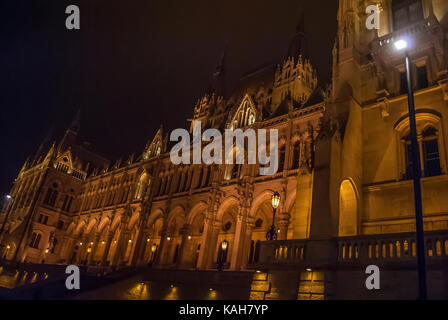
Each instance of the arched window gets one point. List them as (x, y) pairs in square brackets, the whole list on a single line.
[(296, 155), (281, 160), (141, 186), (405, 12), (245, 116)]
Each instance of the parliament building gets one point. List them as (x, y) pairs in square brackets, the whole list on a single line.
[(344, 174)]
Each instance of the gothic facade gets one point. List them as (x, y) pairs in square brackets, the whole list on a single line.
[(344, 165)]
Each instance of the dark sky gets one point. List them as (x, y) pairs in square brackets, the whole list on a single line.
[(134, 64)]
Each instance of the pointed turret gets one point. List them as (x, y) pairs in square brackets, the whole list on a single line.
[(217, 85), (71, 133), (51, 154), (298, 43), (45, 144)]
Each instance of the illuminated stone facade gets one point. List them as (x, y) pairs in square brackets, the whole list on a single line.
[(343, 157)]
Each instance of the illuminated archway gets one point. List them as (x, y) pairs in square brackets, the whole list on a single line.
[(348, 209)]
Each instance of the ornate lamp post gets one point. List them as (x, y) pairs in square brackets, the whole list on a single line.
[(224, 246), (402, 44), (275, 200)]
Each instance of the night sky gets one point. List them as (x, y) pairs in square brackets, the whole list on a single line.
[(134, 64)]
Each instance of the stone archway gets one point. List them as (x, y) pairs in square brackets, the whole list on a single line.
[(348, 209)]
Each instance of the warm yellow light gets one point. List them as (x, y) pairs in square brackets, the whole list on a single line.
[(154, 247), (103, 242), (168, 238), (115, 241), (224, 245), (8, 247), (46, 250), (89, 250), (91, 242), (275, 200), (308, 269), (80, 243), (189, 237), (147, 240), (130, 240)]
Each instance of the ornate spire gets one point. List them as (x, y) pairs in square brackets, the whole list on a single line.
[(218, 81), (75, 124), (298, 44)]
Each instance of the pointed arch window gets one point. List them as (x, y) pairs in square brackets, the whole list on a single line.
[(296, 155), (281, 160), (245, 116)]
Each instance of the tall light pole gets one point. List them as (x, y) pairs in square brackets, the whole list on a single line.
[(9, 198), (275, 201), (416, 174)]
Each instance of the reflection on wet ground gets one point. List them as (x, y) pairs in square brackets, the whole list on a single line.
[(18, 278), (135, 289)]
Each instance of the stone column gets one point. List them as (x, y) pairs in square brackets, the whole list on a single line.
[(94, 246), (208, 244), (250, 224), (139, 252), (283, 226), (121, 245), (82, 249), (185, 246), (140, 242), (238, 245), (160, 253), (68, 248), (110, 236)]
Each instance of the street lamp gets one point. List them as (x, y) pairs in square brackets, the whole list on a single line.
[(275, 201), (403, 44), (224, 246), (8, 198)]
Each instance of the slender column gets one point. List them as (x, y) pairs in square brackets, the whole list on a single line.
[(208, 244), (163, 243), (94, 246), (185, 246), (82, 249), (238, 245), (110, 236), (247, 242), (140, 242), (68, 248)]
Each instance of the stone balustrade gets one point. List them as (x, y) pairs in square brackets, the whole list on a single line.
[(364, 248), (391, 247)]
